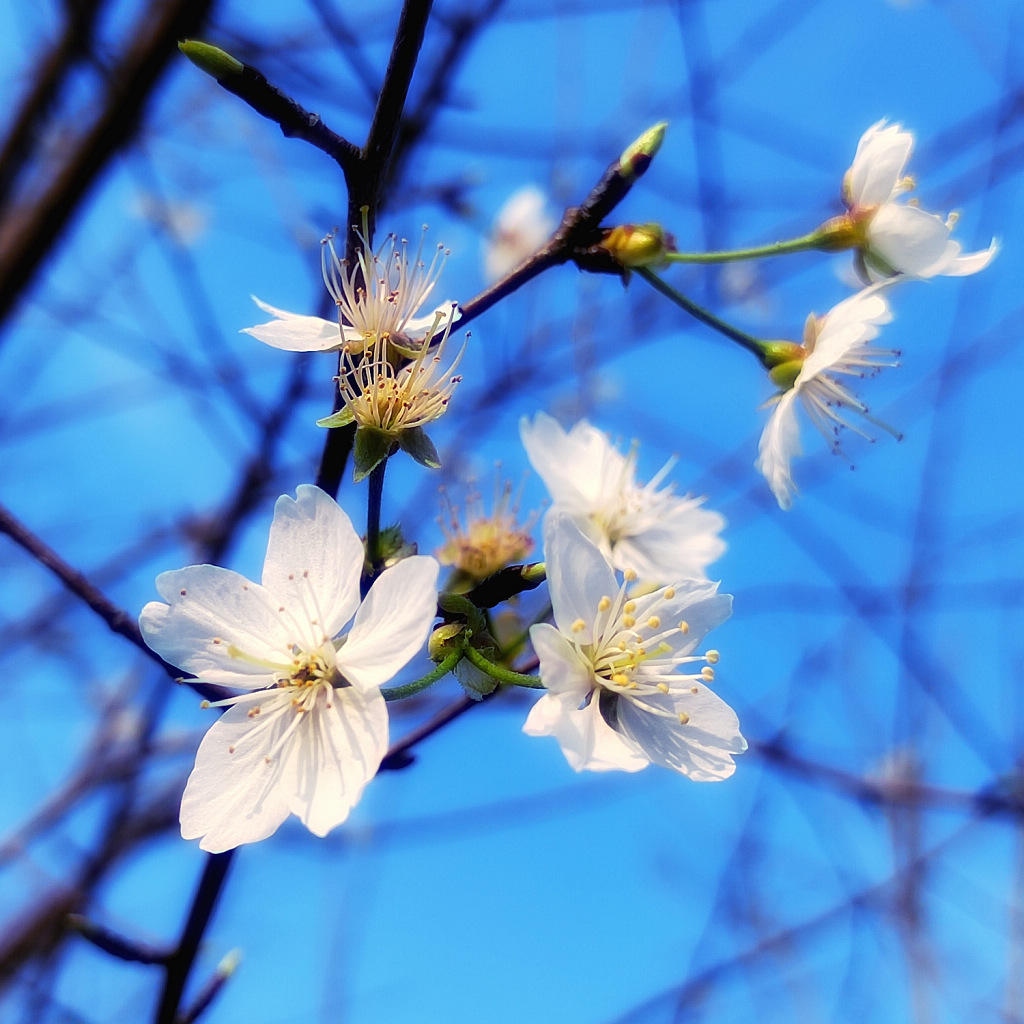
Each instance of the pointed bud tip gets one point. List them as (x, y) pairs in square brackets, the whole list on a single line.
[(217, 63), (637, 156)]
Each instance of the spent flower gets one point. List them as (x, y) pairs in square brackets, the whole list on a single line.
[(835, 346), (616, 698), (309, 728), (644, 527)]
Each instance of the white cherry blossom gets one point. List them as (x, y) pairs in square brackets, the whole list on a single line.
[(520, 229), (310, 727), (616, 699), (895, 237), (644, 527), (836, 345), (379, 297)]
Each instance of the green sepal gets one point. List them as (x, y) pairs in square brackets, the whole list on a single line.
[(217, 63), (420, 447), (372, 447), (341, 418)]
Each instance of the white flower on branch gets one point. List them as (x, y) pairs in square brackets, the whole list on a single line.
[(643, 527), (310, 728), (378, 296), (835, 345), (616, 698), (894, 237)]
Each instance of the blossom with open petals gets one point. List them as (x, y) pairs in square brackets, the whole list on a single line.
[(310, 726), (638, 526), (894, 237), (615, 696), (835, 345), (379, 296)]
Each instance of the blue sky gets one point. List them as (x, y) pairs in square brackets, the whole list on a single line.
[(876, 628)]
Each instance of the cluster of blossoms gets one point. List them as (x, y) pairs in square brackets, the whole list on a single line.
[(304, 657), (892, 242)]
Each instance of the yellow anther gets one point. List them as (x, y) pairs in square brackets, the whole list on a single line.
[(694, 689), (663, 687), (619, 679), (684, 627), (629, 607), (630, 575), (670, 592), (204, 704), (653, 622), (707, 673), (712, 657), (628, 621), (578, 626), (683, 718), (604, 604)]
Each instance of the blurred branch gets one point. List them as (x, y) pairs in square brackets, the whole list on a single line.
[(73, 46), (28, 234)]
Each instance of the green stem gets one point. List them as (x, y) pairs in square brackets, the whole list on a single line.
[(805, 243), (503, 675), (438, 672), (747, 341)]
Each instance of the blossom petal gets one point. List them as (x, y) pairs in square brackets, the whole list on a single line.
[(392, 622), (701, 749), (294, 332), (780, 443), (562, 670), (696, 602), (680, 545), (339, 749), (586, 739), (313, 562), (962, 265), (572, 465), (217, 625), (234, 795), (849, 324), (910, 240), (578, 575), (874, 176)]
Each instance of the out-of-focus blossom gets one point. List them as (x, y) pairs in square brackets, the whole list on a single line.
[(310, 728), (615, 696), (644, 527), (836, 345), (520, 229)]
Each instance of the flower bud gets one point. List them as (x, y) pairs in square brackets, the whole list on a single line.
[(637, 156), (638, 245), (212, 59)]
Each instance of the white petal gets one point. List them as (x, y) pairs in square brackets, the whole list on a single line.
[(681, 545), (877, 167), (206, 603), (338, 750), (572, 465), (295, 332), (562, 670), (701, 749), (237, 797), (909, 239), (780, 442), (961, 265), (697, 603), (313, 562), (586, 739), (849, 324), (578, 575), (417, 326), (392, 623)]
